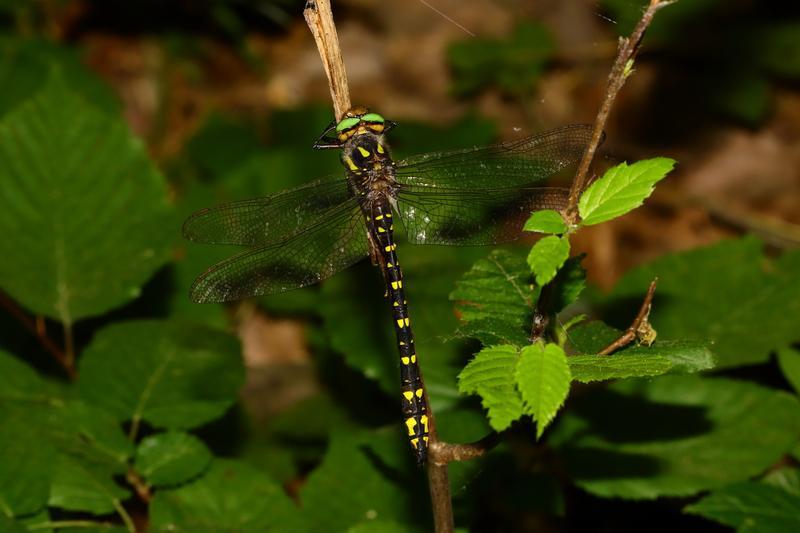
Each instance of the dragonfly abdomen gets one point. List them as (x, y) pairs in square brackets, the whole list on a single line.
[(413, 397)]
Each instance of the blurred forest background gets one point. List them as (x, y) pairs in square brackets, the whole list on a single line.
[(227, 97)]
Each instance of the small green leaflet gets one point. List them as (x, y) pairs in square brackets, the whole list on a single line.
[(546, 221), (490, 375), (547, 256), (513, 382), (171, 458), (621, 189), (789, 361), (543, 379)]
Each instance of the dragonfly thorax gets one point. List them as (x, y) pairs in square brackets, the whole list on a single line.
[(368, 162)]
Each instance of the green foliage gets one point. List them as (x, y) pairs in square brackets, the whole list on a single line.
[(674, 436), (727, 294), (170, 375), (171, 458), (494, 299), (546, 221), (230, 497), (491, 375), (621, 189), (93, 207), (513, 65), (751, 506), (547, 256), (543, 377), (789, 361)]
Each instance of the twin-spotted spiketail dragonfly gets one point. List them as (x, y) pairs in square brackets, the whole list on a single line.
[(306, 234)]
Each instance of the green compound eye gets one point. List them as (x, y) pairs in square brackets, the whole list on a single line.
[(373, 117), (347, 123)]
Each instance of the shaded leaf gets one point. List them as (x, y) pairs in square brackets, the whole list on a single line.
[(171, 458), (727, 294), (543, 378), (495, 298), (25, 463), (547, 256), (568, 283), (758, 506), (170, 375), (546, 221), (491, 375), (81, 484), (97, 224), (588, 368), (787, 479), (789, 361), (232, 496), (621, 189), (674, 436)]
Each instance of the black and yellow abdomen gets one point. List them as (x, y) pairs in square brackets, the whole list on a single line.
[(413, 397)]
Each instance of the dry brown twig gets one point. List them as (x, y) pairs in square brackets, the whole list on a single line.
[(640, 327), (319, 18)]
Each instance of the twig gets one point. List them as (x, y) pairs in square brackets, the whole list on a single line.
[(139, 485), (622, 68), (319, 18), (31, 325), (443, 452), (639, 327)]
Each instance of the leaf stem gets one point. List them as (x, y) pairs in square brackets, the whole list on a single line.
[(621, 69), (126, 518), (61, 524), (35, 327), (638, 325)]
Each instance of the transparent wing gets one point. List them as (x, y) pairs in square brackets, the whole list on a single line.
[(262, 220), (472, 217), (311, 255), (519, 163)]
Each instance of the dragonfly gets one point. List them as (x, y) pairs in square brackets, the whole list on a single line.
[(298, 237)]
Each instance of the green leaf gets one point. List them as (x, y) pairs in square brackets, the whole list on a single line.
[(787, 479), (232, 496), (491, 375), (172, 458), (494, 299), (97, 224), (674, 436), (745, 313), (171, 375), (80, 484), (789, 361), (621, 189), (514, 64), (546, 221), (19, 382), (756, 506), (348, 488), (588, 368), (25, 463), (9, 525), (547, 256), (381, 527), (568, 283), (543, 378)]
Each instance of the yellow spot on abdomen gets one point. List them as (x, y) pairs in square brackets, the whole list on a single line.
[(396, 284), (407, 320), (381, 229), (414, 442), (418, 392), (411, 424), (414, 358), (404, 360), (400, 322), (379, 217), (408, 395), (424, 420)]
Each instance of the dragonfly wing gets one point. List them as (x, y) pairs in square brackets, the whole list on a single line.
[(270, 219), (307, 257), (472, 217), (511, 164)]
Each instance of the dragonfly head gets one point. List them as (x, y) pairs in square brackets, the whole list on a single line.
[(357, 120)]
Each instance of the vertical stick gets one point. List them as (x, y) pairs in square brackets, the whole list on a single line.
[(319, 18)]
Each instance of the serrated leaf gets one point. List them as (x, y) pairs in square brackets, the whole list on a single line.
[(172, 458), (744, 313), (543, 378), (93, 206), (674, 436), (546, 221), (495, 299), (547, 256), (232, 496), (491, 375), (349, 488), (171, 375), (621, 189), (758, 506), (588, 368), (789, 361)]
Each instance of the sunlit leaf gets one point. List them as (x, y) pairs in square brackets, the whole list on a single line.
[(543, 378), (547, 256), (491, 375)]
